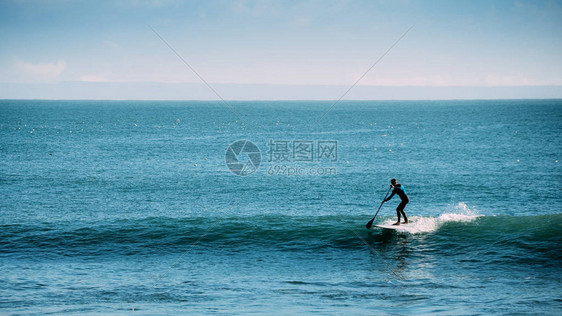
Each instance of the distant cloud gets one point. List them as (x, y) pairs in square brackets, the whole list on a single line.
[(489, 80), (95, 78), (510, 80), (41, 71)]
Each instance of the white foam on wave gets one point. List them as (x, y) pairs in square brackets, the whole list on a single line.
[(421, 224)]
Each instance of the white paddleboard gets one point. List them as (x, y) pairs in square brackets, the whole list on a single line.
[(402, 227)]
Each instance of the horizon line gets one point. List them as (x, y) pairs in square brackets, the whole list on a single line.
[(285, 100), (281, 84)]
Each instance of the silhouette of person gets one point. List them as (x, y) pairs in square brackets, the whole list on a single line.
[(399, 190)]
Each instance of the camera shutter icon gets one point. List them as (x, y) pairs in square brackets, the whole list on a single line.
[(242, 157)]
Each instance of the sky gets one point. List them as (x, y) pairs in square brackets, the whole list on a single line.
[(50, 45)]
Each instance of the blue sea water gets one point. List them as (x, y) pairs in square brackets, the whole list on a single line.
[(129, 207)]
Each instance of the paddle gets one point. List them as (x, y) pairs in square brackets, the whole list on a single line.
[(370, 223)]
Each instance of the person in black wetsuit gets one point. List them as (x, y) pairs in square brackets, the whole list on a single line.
[(399, 189)]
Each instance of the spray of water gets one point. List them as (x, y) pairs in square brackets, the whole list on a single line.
[(421, 224)]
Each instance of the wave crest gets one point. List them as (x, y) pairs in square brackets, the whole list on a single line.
[(421, 224)]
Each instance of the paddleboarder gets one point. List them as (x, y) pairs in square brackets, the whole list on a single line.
[(399, 189)]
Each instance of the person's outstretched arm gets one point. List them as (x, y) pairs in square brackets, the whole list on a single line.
[(390, 197)]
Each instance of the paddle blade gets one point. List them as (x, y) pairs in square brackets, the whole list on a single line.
[(370, 223)]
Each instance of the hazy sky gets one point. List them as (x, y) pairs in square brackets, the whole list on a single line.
[(453, 43)]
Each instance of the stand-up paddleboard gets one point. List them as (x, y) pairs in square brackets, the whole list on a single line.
[(402, 227)]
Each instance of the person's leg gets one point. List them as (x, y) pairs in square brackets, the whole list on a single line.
[(397, 214), (401, 210), (405, 217)]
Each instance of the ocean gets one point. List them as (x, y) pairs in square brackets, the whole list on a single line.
[(196, 207)]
